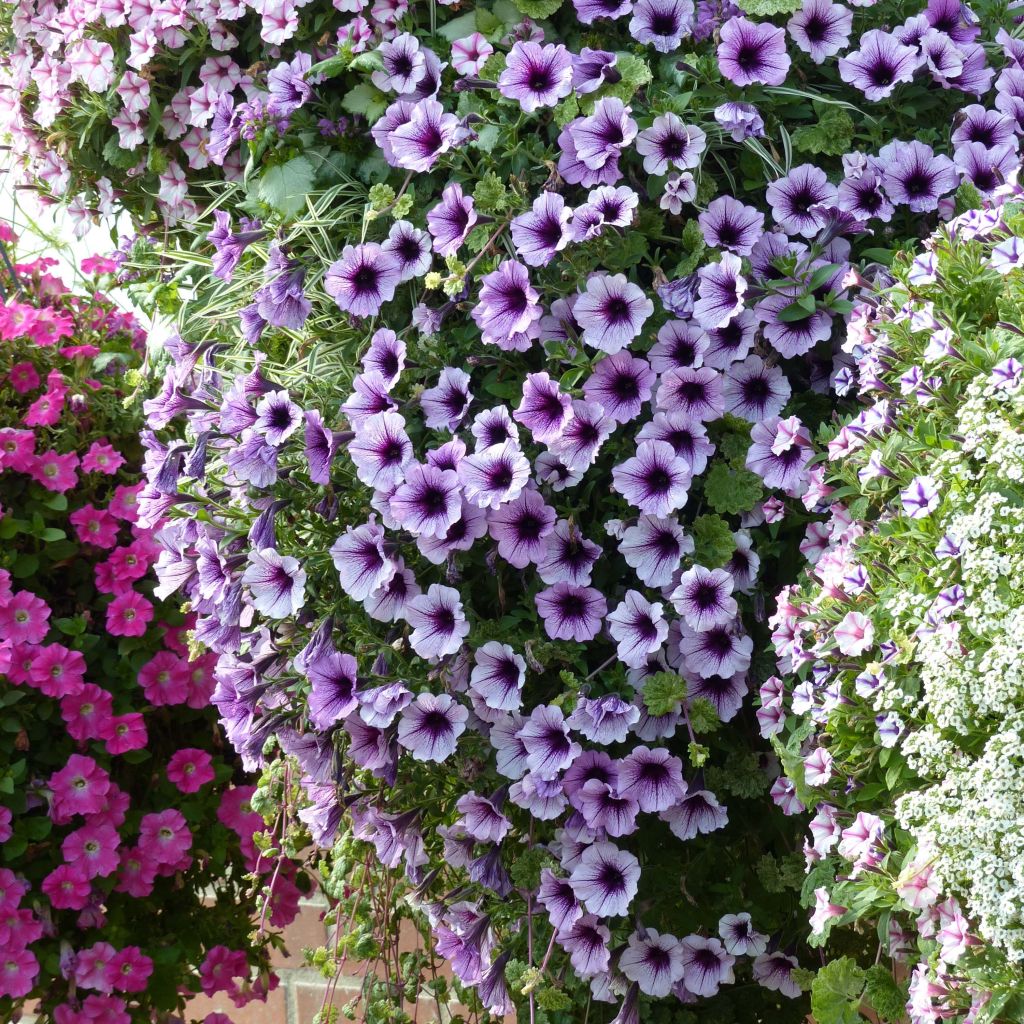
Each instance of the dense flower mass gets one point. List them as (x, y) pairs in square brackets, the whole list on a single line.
[(115, 831), (488, 438), (901, 645)]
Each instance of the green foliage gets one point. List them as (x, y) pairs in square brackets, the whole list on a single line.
[(729, 490), (538, 9), (832, 135), (836, 992), (663, 693), (285, 186), (713, 541)]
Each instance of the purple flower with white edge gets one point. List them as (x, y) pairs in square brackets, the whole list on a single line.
[(620, 384), (521, 528), (605, 880), (654, 961), (568, 556), (739, 936), (602, 135), (792, 197), (508, 307), (985, 167), (545, 409), (752, 53), (796, 334), (755, 391), (728, 344), (718, 650), (729, 224), (555, 895), (654, 778), (542, 231), (359, 557), (363, 279), (470, 54), (653, 549), (639, 628), (451, 220), (381, 450), (438, 622), (498, 676), (611, 312), (697, 813), (774, 971), (785, 469), (604, 810), (332, 695), (403, 64), (881, 63), (670, 143), (431, 725), (445, 405), (720, 292), (604, 719), (427, 134), (481, 818), (706, 965), (370, 396), (920, 498), (536, 76), (380, 705), (288, 87), (386, 354), (277, 417), (688, 438), (586, 941), (541, 798), (588, 10), (428, 501), (821, 28), (493, 426), (725, 693), (915, 175), (696, 393), (495, 475), (410, 248), (591, 69), (277, 583), (571, 612), (583, 434), (655, 480), (550, 748), (661, 23), (704, 598), (740, 120)]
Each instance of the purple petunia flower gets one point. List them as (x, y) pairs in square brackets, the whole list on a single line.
[(508, 309), (796, 334), (661, 23), (359, 557), (445, 405), (431, 725), (380, 705), (481, 818), (653, 548), (740, 120), (792, 198), (991, 128), (571, 612), (591, 69), (655, 480), (679, 344), (369, 397), (568, 556), (696, 393), (920, 498), (774, 971), (287, 86), (495, 475), (611, 312), (470, 54), (720, 292), (739, 935), (451, 220), (403, 64), (536, 76), (915, 175), (985, 167), (381, 450), (543, 231), (753, 52), (410, 248), (386, 354), (363, 279), (780, 467), (588, 10), (654, 778), (639, 628), (521, 527), (332, 695), (706, 965), (428, 501), (881, 63), (821, 28), (605, 719), (605, 880), (729, 224), (549, 746), (493, 426), (320, 447), (604, 810), (555, 895), (755, 391), (704, 598), (653, 961), (277, 583), (583, 435), (620, 384), (699, 812), (586, 941), (541, 798), (716, 650), (688, 439), (860, 192), (670, 143), (545, 409), (498, 676), (439, 625), (601, 136), (277, 417)]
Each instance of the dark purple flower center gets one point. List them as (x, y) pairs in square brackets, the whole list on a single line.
[(365, 278), (539, 79), (436, 723), (672, 146), (665, 542), (756, 389), (550, 231), (707, 960), (625, 387), (572, 606), (434, 500), (657, 958), (500, 476), (882, 73), (748, 57), (455, 401), (280, 417), (528, 526), (816, 29), (612, 879), (918, 182), (616, 309), (444, 621), (408, 248), (718, 642), (658, 480), (401, 65), (664, 23), (705, 595)]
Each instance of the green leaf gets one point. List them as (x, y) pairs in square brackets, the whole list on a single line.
[(795, 311), (713, 541), (538, 9), (836, 993), (285, 186), (366, 100), (769, 8), (730, 491), (24, 566), (58, 502), (51, 533), (832, 135), (663, 693)]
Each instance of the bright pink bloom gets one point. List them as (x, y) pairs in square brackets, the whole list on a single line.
[(78, 788), (132, 561), (18, 970), (87, 713), (23, 378), (164, 679), (5, 588), (24, 619), (125, 503), (50, 327), (164, 836), (107, 580), (12, 889), (131, 970), (102, 458), (93, 967), (95, 526), (114, 809), (190, 769), (93, 850), (20, 658), (218, 971), (19, 928), (103, 1010), (17, 449), (67, 887), (137, 874), (128, 614), (5, 824), (201, 680), (56, 472), (58, 671), (127, 732), (46, 410)]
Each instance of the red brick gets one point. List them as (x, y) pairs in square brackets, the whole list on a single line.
[(273, 1011), (308, 997), (307, 931)]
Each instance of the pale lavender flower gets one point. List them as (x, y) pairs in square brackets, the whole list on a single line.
[(536, 76), (654, 778), (508, 310), (363, 279), (915, 175), (639, 628), (620, 384), (381, 450), (332, 695), (655, 480), (654, 961), (754, 390), (706, 965), (720, 292), (542, 231), (583, 435), (611, 312), (605, 880), (568, 556), (586, 941), (445, 405), (718, 650), (704, 598), (921, 497), (277, 417), (774, 971), (277, 583), (451, 220), (729, 224), (359, 557), (670, 143), (739, 936), (699, 812), (603, 720), (545, 409), (438, 622), (571, 612), (661, 23), (549, 746), (821, 28), (410, 248), (696, 393), (555, 895), (495, 475), (431, 726), (403, 64), (881, 63), (753, 52), (521, 528), (793, 197), (381, 705), (741, 120), (498, 676), (653, 548), (428, 501)]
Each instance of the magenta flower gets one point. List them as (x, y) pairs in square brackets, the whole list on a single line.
[(190, 769), (129, 614)]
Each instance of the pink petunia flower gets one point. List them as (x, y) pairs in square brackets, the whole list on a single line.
[(102, 458), (93, 850), (17, 449), (95, 526), (56, 472), (190, 769), (23, 378), (128, 614), (126, 732), (24, 619), (164, 836), (58, 671), (67, 887), (165, 679), (80, 787)]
